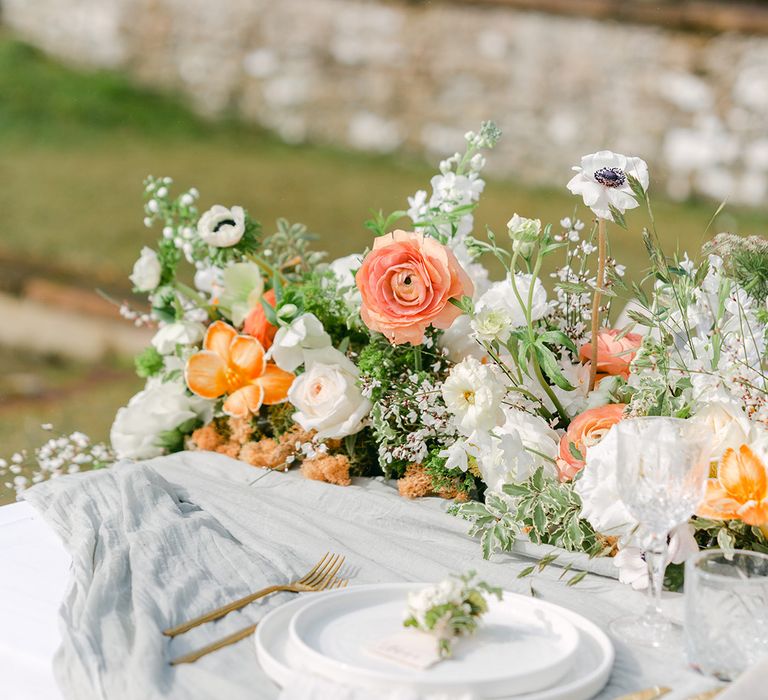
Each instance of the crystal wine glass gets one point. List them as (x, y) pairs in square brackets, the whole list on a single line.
[(661, 475)]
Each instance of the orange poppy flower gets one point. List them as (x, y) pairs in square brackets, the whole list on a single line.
[(740, 490), (234, 365)]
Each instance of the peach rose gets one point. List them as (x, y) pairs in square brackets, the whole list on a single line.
[(256, 323), (406, 282), (613, 353), (586, 430)]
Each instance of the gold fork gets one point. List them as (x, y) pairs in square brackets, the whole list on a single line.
[(240, 634), (318, 578)]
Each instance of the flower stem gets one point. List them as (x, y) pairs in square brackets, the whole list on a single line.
[(417, 358), (548, 390), (600, 283)]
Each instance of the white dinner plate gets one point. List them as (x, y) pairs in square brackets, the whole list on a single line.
[(585, 675)]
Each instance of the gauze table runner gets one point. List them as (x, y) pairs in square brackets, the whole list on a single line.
[(158, 542)]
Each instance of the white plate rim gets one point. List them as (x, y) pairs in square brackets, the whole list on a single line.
[(595, 679), (316, 658)]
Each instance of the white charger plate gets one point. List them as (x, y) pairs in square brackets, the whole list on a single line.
[(586, 675)]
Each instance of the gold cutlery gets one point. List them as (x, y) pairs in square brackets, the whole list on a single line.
[(708, 694), (318, 578), (648, 694), (241, 634)]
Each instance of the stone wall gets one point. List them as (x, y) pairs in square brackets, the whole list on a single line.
[(380, 75)]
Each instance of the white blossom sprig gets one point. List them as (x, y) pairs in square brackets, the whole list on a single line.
[(450, 609)]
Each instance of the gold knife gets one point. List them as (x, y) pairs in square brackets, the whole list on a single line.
[(648, 694)]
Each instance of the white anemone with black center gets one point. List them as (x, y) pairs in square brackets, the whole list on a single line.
[(602, 181)]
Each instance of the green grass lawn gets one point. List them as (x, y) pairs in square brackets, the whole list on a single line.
[(75, 147)]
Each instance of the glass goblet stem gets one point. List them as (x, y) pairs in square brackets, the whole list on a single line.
[(656, 558)]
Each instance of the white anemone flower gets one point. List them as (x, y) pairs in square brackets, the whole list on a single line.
[(601, 180), (221, 227)]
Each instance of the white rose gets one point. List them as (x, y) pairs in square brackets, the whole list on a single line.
[(726, 424), (179, 333), (327, 396), (146, 271), (502, 296), (222, 227), (291, 342), (473, 393), (160, 407)]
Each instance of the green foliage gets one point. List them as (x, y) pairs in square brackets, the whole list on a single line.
[(384, 363), (541, 508), (446, 479), (380, 225), (363, 453), (288, 249), (729, 535), (48, 102), (279, 418), (173, 440), (148, 363), (319, 295), (745, 260)]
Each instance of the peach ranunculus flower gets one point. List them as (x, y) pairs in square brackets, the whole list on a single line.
[(257, 325), (614, 351), (406, 283), (235, 365), (740, 490), (585, 431)]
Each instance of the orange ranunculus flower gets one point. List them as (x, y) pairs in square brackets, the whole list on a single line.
[(613, 353), (256, 323), (740, 490), (586, 430), (406, 283), (234, 365)]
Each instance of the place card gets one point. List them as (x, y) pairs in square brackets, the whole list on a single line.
[(410, 648)]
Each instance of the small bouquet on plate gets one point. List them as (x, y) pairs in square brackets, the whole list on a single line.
[(450, 609)]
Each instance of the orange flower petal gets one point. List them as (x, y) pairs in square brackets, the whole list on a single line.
[(275, 383), (218, 338), (206, 374), (742, 474), (246, 356), (754, 513), (244, 401), (717, 503)]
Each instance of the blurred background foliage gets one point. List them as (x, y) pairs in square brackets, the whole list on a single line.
[(74, 149)]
